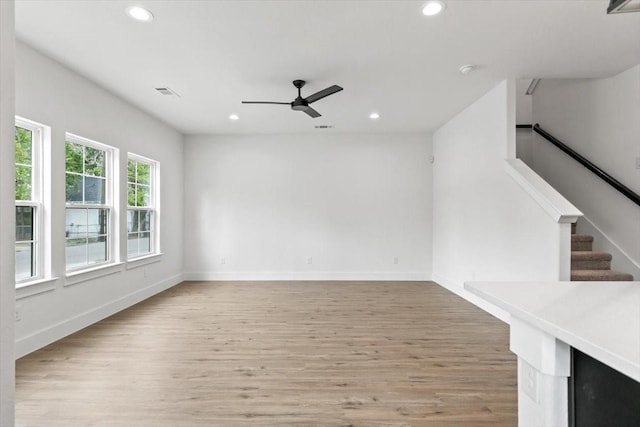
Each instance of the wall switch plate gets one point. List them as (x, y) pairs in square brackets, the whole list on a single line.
[(395, 260), (223, 261), (529, 380), (309, 260)]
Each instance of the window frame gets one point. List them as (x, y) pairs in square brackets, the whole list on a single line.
[(40, 269), (153, 207), (110, 176)]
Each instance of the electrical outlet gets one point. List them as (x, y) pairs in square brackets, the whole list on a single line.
[(223, 261), (309, 260), (18, 313), (395, 260), (145, 272), (529, 380), (637, 162)]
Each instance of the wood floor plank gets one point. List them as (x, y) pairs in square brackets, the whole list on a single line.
[(278, 354)]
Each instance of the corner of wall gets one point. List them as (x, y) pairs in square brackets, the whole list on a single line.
[(52, 333), (511, 119), (7, 211)]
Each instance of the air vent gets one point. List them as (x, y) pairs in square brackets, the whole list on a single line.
[(167, 91), (324, 126), (623, 6)]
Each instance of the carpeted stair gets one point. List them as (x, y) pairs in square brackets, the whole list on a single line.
[(586, 264)]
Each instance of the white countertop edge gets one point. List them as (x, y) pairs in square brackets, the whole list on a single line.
[(628, 367)]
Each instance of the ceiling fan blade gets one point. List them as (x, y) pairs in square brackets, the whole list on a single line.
[(266, 102), (323, 93), (310, 111)]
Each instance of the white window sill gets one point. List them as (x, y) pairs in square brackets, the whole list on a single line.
[(76, 277), (35, 287), (144, 260)]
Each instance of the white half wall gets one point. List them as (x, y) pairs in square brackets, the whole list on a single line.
[(49, 93), (321, 207), (485, 226), (7, 212), (600, 119)]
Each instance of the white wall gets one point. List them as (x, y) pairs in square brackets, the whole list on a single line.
[(485, 227), (7, 220), (600, 119), (524, 102), (524, 116), (51, 94), (267, 203)]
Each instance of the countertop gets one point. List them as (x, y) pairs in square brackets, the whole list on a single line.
[(601, 319)]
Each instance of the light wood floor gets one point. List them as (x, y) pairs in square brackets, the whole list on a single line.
[(278, 354)]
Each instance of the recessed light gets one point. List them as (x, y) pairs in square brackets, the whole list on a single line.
[(139, 14), (234, 117), (466, 69), (374, 116), (433, 7)]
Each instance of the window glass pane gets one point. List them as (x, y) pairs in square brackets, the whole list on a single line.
[(24, 261), (140, 221), (144, 244), (24, 222), (132, 245), (26, 188), (76, 253), (76, 224), (131, 195), (144, 173), (97, 249), (131, 171), (24, 139), (94, 190), (145, 220), (97, 222), (130, 221), (94, 162), (73, 187), (87, 229), (142, 196), (74, 154), (23, 182)]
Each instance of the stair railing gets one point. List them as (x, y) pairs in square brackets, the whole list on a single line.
[(634, 197)]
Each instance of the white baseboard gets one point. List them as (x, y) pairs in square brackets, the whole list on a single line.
[(45, 336), (459, 290), (621, 261), (307, 275)]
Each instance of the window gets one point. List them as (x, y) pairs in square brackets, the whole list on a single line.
[(89, 207), (28, 201), (141, 206)]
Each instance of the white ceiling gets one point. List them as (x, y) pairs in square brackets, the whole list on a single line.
[(388, 56)]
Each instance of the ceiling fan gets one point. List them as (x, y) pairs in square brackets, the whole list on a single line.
[(300, 103)]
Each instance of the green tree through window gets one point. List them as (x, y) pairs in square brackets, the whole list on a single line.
[(27, 201), (88, 204), (24, 163), (141, 204)]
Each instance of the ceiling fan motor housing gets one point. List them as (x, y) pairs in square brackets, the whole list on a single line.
[(299, 104)]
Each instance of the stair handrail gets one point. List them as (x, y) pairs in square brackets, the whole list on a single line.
[(626, 191)]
